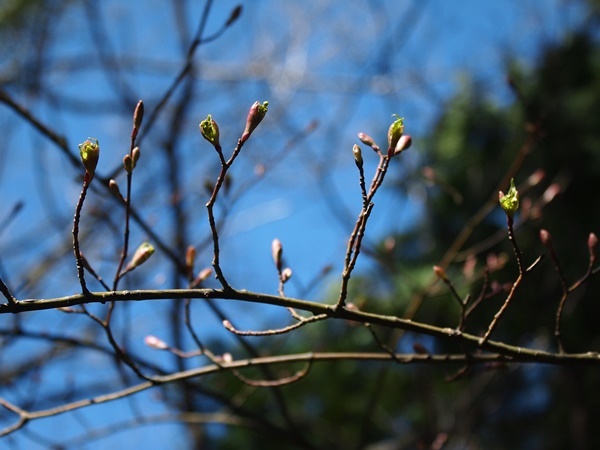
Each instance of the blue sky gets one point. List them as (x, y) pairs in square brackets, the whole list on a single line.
[(347, 65)]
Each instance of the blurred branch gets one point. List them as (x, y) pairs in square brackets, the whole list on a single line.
[(26, 416)]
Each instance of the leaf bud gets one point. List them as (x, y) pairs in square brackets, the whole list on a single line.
[(114, 189), (403, 143), (154, 342), (510, 201), (286, 274), (358, 159), (440, 273), (210, 131), (141, 255), (190, 258), (128, 163), (276, 252), (395, 132), (235, 14), (255, 116), (366, 139), (202, 275), (135, 155), (592, 245), (89, 151), (138, 116), (545, 238)]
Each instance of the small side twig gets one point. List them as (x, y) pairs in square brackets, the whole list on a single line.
[(397, 143), (546, 239), (302, 321), (274, 383), (6, 292), (462, 304)]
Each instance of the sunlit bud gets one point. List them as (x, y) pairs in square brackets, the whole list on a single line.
[(202, 275), (90, 153), (128, 163), (440, 273), (190, 258), (210, 131), (510, 201), (358, 159), (552, 191), (227, 357), (255, 116), (545, 237), (235, 14), (592, 244), (536, 177), (138, 116), (154, 342), (276, 251), (366, 139), (135, 155), (395, 132), (227, 325), (403, 143), (141, 255), (114, 188), (286, 274)]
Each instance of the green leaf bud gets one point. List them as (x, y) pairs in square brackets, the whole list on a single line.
[(89, 151), (395, 132), (210, 131), (141, 255), (510, 201)]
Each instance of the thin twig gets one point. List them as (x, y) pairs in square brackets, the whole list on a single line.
[(274, 383), (6, 292), (303, 321), (76, 219)]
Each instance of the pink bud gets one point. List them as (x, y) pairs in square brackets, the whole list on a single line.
[(592, 244), (154, 342), (536, 177), (286, 274), (545, 237), (276, 252), (255, 116), (403, 143), (440, 273), (552, 191), (366, 139), (190, 258), (138, 115)]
